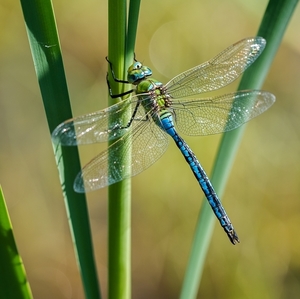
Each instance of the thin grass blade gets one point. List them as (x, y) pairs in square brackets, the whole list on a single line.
[(272, 28), (46, 53)]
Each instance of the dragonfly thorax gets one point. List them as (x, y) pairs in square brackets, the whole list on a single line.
[(152, 95), (150, 86), (138, 72)]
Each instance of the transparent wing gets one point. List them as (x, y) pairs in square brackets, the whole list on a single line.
[(220, 114), (145, 142), (93, 128), (217, 72)]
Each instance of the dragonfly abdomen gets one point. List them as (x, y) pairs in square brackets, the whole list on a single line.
[(199, 173)]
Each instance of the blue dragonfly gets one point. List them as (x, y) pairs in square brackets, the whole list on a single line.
[(139, 126)]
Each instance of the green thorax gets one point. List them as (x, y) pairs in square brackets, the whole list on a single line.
[(151, 92), (152, 96)]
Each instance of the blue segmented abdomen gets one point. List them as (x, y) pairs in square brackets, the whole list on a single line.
[(166, 122)]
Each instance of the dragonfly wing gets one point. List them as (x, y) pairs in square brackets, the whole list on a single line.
[(144, 144), (93, 128), (220, 114), (217, 72)]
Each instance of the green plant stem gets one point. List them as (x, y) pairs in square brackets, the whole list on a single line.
[(46, 53), (273, 26), (119, 194), (121, 48), (134, 8), (13, 282)]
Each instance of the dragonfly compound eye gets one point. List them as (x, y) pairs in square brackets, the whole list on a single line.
[(137, 65), (135, 77), (138, 72)]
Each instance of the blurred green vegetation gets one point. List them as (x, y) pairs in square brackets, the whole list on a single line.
[(262, 196)]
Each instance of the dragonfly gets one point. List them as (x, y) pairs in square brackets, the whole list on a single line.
[(138, 127)]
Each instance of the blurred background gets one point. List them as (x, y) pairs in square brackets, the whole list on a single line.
[(263, 192)]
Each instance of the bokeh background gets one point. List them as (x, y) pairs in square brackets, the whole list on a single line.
[(262, 195)]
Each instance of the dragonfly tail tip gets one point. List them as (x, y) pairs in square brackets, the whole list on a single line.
[(233, 237)]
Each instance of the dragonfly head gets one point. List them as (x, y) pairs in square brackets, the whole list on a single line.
[(137, 72)]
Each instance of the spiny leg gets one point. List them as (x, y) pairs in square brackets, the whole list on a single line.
[(116, 80)]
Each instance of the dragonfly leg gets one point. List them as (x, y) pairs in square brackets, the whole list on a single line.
[(116, 95), (113, 73), (116, 80)]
